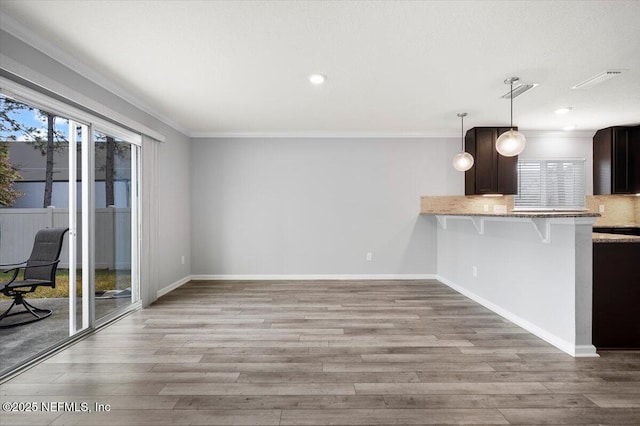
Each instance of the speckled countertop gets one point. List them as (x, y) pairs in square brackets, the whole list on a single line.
[(615, 238), (520, 214), (633, 225)]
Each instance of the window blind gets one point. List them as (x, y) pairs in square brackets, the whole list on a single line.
[(557, 184)]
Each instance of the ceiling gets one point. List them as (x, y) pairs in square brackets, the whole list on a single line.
[(214, 68)]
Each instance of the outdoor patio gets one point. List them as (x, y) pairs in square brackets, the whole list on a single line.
[(23, 342)]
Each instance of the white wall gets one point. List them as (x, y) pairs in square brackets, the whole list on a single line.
[(576, 144), (543, 287), (314, 206), (174, 185)]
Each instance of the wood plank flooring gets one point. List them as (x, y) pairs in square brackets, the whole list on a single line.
[(324, 353)]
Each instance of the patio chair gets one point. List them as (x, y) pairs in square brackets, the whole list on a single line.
[(39, 270)]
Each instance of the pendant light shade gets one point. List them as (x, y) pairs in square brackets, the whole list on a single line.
[(512, 142), (462, 161)]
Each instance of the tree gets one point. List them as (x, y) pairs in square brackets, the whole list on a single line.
[(11, 128), (49, 140), (112, 149), (110, 172), (8, 175), (48, 177)]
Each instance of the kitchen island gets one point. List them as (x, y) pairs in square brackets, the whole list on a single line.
[(534, 269)]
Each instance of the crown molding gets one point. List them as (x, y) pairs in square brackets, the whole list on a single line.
[(13, 27), (51, 94), (529, 133), (320, 135)]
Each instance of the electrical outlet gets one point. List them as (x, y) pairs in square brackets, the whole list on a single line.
[(500, 209), (601, 208), (474, 271), (369, 257), (182, 260)]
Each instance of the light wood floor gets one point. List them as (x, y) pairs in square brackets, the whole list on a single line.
[(316, 353)]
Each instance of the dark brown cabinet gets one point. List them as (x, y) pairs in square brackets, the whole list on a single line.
[(616, 295), (491, 172), (616, 161)]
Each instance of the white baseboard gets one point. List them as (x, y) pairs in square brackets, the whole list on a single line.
[(585, 351), (233, 277), (174, 285), (563, 345)]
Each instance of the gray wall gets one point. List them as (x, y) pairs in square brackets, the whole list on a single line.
[(314, 206), (174, 185)]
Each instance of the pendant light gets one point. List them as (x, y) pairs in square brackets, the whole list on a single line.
[(462, 161), (512, 142)]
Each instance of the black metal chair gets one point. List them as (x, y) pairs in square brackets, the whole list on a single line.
[(39, 270)]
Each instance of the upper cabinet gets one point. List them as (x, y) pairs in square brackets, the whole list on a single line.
[(491, 172), (616, 161)]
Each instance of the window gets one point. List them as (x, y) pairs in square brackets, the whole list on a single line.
[(557, 184)]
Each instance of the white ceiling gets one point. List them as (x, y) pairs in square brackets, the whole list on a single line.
[(393, 68)]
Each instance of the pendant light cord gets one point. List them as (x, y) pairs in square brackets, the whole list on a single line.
[(511, 97), (462, 133)]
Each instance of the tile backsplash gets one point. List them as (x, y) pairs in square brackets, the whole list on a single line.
[(466, 204), (619, 210)]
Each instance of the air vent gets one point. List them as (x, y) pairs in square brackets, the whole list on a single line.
[(597, 79), (519, 90)]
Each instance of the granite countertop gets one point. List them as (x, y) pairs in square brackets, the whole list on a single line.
[(633, 225), (615, 238), (521, 214)]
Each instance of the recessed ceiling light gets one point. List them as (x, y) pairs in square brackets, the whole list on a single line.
[(569, 127), (317, 79), (564, 110)]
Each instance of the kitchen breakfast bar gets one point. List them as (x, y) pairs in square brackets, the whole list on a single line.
[(534, 269)]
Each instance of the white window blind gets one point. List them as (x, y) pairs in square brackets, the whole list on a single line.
[(557, 184)]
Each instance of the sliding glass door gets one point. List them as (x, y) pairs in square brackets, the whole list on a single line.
[(79, 303), (115, 203), (38, 179), (63, 171)]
